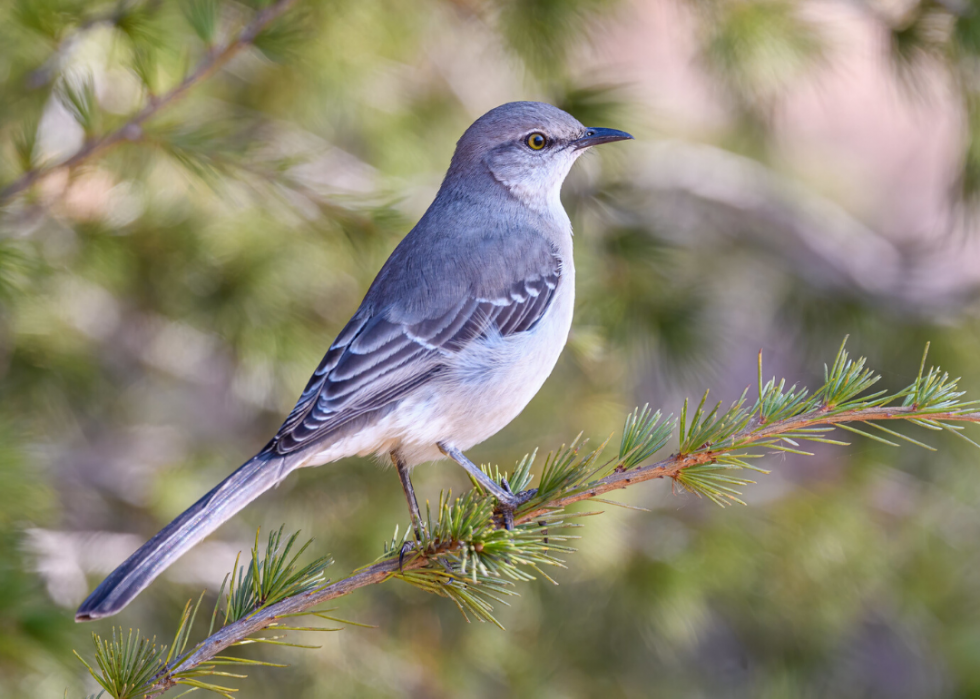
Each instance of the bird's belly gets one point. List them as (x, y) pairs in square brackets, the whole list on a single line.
[(489, 388), (482, 390)]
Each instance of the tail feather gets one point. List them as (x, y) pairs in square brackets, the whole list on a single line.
[(231, 495)]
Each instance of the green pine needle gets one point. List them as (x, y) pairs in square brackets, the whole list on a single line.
[(464, 554), (272, 577), (127, 666), (644, 434)]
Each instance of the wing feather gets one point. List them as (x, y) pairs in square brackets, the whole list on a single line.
[(375, 361)]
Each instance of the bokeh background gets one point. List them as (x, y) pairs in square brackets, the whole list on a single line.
[(802, 171)]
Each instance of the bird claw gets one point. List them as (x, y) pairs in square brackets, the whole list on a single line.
[(506, 506), (406, 548), (415, 545), (526, 495)]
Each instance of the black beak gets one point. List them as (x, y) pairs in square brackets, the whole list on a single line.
[(595, 136)]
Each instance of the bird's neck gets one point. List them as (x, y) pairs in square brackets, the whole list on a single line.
[(534, 204)]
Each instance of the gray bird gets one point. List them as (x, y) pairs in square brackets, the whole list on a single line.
[(457, 333)]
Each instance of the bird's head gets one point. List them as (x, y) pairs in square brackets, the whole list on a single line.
[(528, 148)]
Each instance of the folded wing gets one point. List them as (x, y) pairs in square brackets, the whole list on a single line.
[(376, 361)]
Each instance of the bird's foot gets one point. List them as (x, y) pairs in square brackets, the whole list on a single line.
[(410, 546), (509, 501)]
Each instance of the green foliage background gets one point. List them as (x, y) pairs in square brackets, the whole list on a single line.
[(162, 306)]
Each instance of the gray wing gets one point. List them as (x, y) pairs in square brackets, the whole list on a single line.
[(375, 361)]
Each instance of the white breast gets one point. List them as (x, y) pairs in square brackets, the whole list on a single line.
[(486, 386)]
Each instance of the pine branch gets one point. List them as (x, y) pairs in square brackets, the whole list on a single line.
[(132, 130), (672, 466), (465, 555)]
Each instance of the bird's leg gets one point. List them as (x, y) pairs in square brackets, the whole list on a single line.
[(413, 505), (508, 500)]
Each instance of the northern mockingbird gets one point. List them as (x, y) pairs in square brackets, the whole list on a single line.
[(457, 333)]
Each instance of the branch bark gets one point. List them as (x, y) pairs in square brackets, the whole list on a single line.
[(674, 464), (133, 128), (665, 468)]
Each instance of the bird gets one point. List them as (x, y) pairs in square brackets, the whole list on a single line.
[(458, 331)]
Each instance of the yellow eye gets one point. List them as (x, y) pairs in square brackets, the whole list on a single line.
[(536, 141)]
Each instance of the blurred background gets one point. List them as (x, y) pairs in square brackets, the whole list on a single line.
[(802, 171)]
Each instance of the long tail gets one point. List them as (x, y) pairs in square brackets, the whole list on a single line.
[(253, 478)]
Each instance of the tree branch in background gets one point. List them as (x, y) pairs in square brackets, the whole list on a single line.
[(133, 128), (465, 555), (700, 195)]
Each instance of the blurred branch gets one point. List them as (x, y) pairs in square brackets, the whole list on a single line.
[(133, 128), (277, 176), (700, 187), (830, 245), (464, 554)]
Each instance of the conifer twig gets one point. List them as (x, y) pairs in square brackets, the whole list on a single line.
[(382, 571), (674, 464), (240, 630), (133, 128), (465, 555)]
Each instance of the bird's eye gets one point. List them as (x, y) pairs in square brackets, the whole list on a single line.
[(536, 141)]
